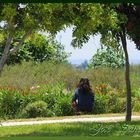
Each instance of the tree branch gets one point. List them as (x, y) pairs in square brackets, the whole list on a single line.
[(13, 50)]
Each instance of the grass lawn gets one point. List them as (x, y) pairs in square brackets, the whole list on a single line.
[(74, 129)]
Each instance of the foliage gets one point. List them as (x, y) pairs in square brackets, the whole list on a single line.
[(63, 106), (23, 20), (132, 11), (109, 103), (24, 16), (29, 104), (116, 104), (136, 106), (38, 49), (100, 104), (104, 89), (105, 25), (29, 74), (10, 102), (48, 83), (35, 109), (107, 57)]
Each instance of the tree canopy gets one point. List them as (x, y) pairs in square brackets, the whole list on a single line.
[(108, 57), (23, 20), (38, 48)]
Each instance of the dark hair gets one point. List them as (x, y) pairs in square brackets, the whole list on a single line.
[(84, 86)]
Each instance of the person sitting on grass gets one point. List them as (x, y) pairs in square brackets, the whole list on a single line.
[(83, 98)]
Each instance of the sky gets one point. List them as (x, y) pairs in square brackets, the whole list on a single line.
[(88, 50)]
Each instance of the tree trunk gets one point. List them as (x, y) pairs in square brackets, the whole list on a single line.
[(8, 51), (5, 53), (127, 76)]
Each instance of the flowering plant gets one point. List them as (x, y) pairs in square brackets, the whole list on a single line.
[(105, 89)]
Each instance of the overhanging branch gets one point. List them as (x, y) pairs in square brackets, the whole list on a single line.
[(13, 50)]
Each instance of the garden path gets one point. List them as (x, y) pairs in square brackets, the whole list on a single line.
[(68, 120)]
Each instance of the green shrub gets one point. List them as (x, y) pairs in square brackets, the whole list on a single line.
[(10, 103), (108, 104), (135, 105), (35, 109), (116, 104), (63, 107), (50, 113), (100, 104), (136, 92), (50, 99)]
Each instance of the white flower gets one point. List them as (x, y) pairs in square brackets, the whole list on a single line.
[(34, 87)]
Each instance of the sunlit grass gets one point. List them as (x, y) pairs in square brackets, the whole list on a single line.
[(28, 74)]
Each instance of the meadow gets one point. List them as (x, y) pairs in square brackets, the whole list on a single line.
[(31, 90)]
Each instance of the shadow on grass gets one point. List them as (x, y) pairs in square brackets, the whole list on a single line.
[(87, 129)]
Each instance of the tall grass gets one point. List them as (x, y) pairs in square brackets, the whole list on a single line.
[(28, 74)]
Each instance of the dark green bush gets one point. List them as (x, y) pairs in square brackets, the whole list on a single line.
[(136, 107), (50, 99), (135, 104), (35, 109), (63, 107), (100, 104), (108, 104), (115, 104), (10, 103)]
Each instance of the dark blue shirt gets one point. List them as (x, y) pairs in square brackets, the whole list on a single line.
[(85, 101)]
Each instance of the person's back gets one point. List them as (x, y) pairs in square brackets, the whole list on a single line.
[(83, 97)]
